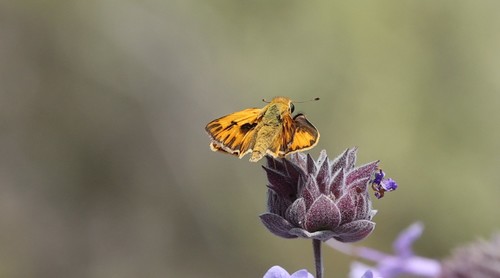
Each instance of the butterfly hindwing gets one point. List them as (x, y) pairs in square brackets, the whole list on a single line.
[(297, 134), (233, 133)]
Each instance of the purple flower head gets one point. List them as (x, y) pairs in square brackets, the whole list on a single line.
[(404, 261), (320, 199), (279, 272), (479, 259), (381, 185)]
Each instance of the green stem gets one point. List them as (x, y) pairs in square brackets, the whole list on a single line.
[(317, 258)]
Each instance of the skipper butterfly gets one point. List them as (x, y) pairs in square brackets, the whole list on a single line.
[(270, 130)]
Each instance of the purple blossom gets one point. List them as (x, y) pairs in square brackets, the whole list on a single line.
[(279, 272), (320, 199), (388, 266)]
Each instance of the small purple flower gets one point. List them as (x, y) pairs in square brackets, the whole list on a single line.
[(381, 185), (388, 266), (279, 272), (320, 199)]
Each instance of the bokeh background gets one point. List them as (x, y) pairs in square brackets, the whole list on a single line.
[(105, 169)]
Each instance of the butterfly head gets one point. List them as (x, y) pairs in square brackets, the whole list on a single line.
[(282, 104)]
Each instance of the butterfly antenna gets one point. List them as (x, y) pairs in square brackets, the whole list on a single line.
[(266, 101), (313, 99)]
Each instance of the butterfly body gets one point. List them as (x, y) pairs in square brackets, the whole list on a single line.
[(270, 130)]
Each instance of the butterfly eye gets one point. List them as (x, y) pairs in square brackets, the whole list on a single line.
[(292, 107)]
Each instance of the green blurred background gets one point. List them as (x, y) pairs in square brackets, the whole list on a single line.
[(105, 165)]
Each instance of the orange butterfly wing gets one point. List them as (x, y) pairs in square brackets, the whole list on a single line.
[(234, 133)]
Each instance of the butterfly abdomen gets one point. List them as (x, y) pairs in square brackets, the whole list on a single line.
[(265, 139)]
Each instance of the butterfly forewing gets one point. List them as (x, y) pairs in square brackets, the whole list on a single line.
[(231, 133)]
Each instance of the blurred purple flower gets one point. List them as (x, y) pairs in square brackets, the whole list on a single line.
[(279, 272), (388, 266), (320, 199), (368, 274)]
